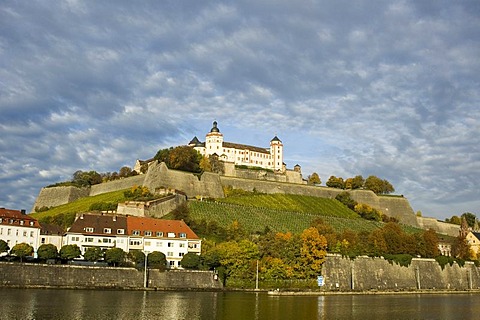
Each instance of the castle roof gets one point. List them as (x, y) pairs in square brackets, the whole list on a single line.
[(276, 139), (196, 143), (214, 129), (245, 147)]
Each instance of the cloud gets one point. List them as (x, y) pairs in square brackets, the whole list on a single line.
[(389, 89)]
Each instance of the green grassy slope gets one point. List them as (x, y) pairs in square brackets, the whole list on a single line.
[(81, 205)]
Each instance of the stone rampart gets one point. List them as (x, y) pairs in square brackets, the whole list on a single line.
[(115, 185), (24, 275), (439, 226), (364, 273), (159, 176), (55, 196), (156, 208)]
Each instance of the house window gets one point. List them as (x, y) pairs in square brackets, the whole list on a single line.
[(9, 231), (1, 230), (171, 235), (159, 244), (24, 233), (1, 220), (107, 240), (107, 230), (136, 232), (120, 231), (32, 223), (183, 235), (170, 244), (88, 239), (43, 241), (89, 229), (76, 239), (159, 234), (22, 222), (172, 263), (135, 242), (31, 234), (148, 243), (181, 245), (148, 233), (181, 254), (169, 254)]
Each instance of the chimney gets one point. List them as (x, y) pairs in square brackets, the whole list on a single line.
[(114, 218), (23, 211)]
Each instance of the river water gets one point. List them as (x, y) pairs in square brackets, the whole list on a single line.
[(99, 304)]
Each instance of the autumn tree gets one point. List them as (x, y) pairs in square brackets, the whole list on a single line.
[(327, 231), (22, 250), (430, 240), (85, 179), (314, 179), (470, 218), (334, 182), (461, 248), (378, 185), (356, 182), (313, 251), (125, 172), (184, 158), (238, 258), (454, 220), (367, 212)]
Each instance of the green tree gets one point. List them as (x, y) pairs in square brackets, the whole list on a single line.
[(125, 172), (85, 179), (345, 198), (157, 260), (454, 220), (70, 252), (314, 179), (470, 218), (115, 256), (205, 164), (3, 246), (137, 256), (22, 250), (237, 258), (163, 155), (184, 158), (191, 261), (47, 251), (93, 254)]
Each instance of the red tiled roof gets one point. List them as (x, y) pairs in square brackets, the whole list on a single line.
[(143, 224), (17, 216)]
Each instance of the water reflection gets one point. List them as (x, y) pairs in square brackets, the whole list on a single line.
[(87, 304)]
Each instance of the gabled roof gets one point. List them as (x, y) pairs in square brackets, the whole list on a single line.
[(51, 229), (14, 217), (246, 147), (476, 234), (143, 224), (98, 222)]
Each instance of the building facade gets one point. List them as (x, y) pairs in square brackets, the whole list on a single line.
[(171, 237), (240, 154), (17, 227)]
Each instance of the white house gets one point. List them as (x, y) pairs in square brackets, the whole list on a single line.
[(240, 154), (171, 237), (17, 227)]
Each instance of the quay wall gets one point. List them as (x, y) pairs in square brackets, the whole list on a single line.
[(27, 275), (377, 274)]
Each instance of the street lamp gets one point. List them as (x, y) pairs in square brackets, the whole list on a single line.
[(145, 271)]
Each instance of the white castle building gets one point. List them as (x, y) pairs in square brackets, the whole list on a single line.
[(240, 154)]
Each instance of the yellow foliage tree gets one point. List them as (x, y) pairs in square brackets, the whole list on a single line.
[(312, 251)]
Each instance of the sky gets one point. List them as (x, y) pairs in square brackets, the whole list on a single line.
[(384, 88)]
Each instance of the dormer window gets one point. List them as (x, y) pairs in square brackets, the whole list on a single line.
[(183, 235), (136, 232), (148, 233), (171, 235), (159, 234), (120, 231), (107, 230), (22, 222), (89, 229), (32, 223)]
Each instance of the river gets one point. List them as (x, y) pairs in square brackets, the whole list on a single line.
[(100, 304)]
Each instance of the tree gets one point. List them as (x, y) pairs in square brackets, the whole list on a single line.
[(344, 197), (314, 179), (93, 254), (115, 256), (184, 158), (367, 212), (125, 172), (22, 250), (70, 252), (85, 179), (357, 182), (191, 261), (205, 164), (378, 185), (334, 182), (313, 251), (157, 260), (454, 220), (3, 247), (470, 218), (47, 251), (430, 239)]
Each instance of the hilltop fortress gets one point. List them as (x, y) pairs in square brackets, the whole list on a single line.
[(270, 176)]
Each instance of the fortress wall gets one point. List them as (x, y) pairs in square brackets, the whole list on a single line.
[(399, 208), (439, 226), (116, 185), (25, 275), (364, 273), (55, 196), (159, 175)]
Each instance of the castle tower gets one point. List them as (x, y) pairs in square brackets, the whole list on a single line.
[(214, 141), (276, 150)]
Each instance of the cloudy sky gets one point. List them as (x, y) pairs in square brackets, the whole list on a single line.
[(385, 88)]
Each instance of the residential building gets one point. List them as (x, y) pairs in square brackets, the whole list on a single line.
[(51, 234), (171, 237), (17, 227), (473, 239)]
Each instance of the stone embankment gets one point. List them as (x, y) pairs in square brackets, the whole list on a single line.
[(26, 275)]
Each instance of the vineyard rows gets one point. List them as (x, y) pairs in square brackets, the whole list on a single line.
[(255, 219)]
